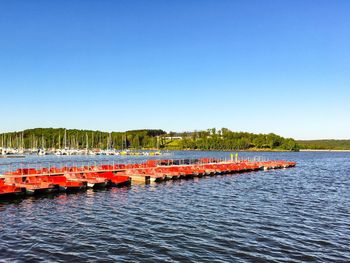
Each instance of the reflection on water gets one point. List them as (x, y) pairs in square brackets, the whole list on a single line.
[(298, 215)]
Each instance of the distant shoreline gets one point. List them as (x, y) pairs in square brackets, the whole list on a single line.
[(243, 150), (323, 150)]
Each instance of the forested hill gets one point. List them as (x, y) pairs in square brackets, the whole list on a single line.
[(325, 144), (210, 139), (224, 139)]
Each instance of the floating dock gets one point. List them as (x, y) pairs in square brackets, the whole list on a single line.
[(30, 181)]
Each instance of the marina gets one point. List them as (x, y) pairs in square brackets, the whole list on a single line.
[(21, 153)]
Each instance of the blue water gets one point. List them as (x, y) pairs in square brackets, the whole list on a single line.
[(293, 215)]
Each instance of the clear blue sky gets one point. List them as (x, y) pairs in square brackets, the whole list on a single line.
[(256, 66)]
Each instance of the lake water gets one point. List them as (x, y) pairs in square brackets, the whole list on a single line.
[(294, 215)]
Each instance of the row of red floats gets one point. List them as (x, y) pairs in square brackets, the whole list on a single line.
[(45, 180), (31, 181), (163, 171)]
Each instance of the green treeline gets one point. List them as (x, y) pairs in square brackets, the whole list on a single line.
[(210, 139), (224, 139), (80, 139), (325, 144)]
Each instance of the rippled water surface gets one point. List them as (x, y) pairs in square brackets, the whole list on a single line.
[(294, 215)]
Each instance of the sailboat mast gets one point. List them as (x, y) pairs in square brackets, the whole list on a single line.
[(110, 141), (59, 140), (87, 141), (65, 139)]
